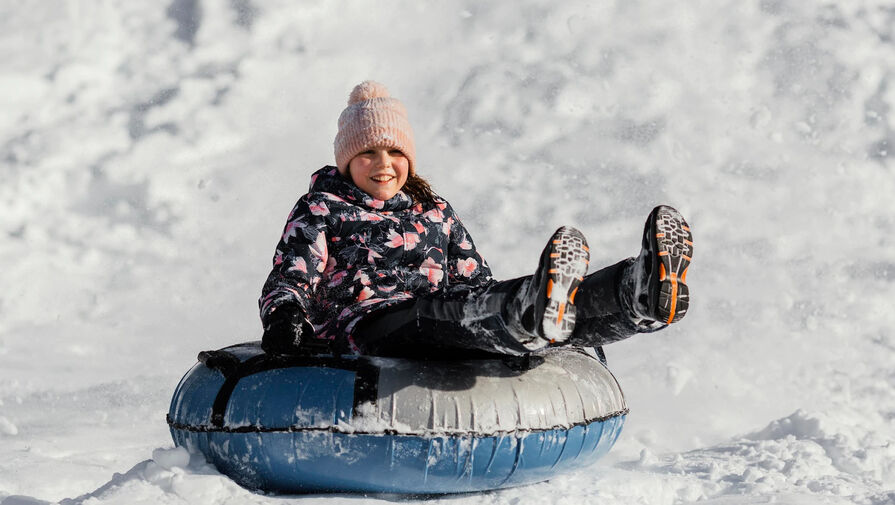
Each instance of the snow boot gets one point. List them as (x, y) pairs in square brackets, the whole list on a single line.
[(548, 301), (654, 286)]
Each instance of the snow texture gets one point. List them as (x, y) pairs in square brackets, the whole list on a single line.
[(150, 152)]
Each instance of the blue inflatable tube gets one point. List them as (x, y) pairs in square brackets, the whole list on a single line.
[(367, 424)]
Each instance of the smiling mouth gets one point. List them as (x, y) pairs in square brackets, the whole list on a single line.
[(382, 178)]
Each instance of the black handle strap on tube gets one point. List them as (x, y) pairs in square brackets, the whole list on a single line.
[(234, 370)]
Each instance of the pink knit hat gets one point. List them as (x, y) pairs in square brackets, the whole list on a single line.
[(372, 119)]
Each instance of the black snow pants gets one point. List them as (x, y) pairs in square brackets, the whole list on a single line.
[(475, 323)]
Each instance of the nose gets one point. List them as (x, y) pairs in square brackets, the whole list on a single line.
[(383, 159)]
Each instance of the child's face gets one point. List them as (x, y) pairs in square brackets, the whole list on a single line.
[(381, 172)]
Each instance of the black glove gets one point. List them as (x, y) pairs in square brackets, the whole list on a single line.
[(284, 329)]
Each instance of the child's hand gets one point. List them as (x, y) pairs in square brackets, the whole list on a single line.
[(284, 329)]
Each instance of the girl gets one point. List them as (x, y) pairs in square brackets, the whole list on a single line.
[(372, 261)]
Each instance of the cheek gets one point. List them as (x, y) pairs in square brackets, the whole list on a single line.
[(405, 169), (352, 174), (356, 171)]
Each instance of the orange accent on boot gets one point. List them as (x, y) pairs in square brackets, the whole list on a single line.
[(549, 287), (562, 312), (662, 273), (684, 276), (673, 307), (572, 296)]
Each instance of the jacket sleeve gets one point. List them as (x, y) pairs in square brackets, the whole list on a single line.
[(300, 259), (465, 265)]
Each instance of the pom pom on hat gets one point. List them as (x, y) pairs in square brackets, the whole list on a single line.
[(372, 119), (367, 90)]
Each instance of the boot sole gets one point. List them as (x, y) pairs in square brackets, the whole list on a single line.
[(567, 263), (673, 244)]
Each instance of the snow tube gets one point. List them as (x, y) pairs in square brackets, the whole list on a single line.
[(390, 425)]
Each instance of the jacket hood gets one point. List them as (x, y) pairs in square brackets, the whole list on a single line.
[(328, 180)]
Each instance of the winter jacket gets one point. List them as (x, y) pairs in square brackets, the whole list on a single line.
[(344, 254)]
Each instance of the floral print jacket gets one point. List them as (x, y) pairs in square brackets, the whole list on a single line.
[(344, 254)]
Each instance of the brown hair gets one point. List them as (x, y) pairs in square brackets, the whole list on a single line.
[(419, 189)]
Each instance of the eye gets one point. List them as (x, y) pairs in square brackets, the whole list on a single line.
[(395, 152)]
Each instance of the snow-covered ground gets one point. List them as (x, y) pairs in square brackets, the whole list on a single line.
[(149, 154)]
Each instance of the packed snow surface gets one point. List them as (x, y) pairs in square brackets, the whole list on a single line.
[(150, 152)]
